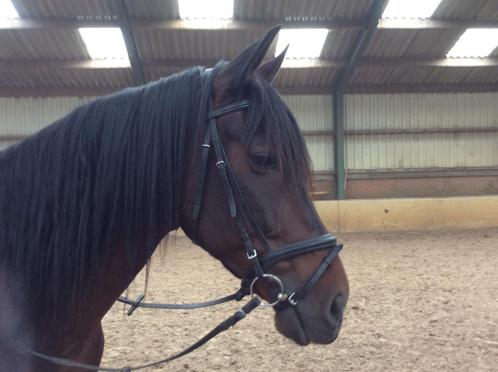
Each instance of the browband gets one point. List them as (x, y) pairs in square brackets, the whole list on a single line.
[(226, 109)]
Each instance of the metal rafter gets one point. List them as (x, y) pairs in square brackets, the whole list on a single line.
[(131, 47), (430, 23), (178, 24), (89, 64), (423, 88), (428, 62), (357, 50), (361, 43), (98, 91)]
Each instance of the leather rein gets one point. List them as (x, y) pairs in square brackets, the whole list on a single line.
[(259, 264)]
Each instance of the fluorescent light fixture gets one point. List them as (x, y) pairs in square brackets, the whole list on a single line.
[(475, 42), (7, 10), (410, 8), (205, 10), (303, 43), (105, 43)]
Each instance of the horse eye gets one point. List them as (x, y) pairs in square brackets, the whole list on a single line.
[(265, 161)]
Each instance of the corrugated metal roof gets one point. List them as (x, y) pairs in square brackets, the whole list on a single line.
[(339, 43), (152, 9), (317, 77), (67, 78), (43, 9), (431, 43), (41, 44), (484, 10), (301, 10), (424, 75), (192, 44), (177, 42)]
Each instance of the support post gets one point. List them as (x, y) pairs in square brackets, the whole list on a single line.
[(340, 169), (354, 57)]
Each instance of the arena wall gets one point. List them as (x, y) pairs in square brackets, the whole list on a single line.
[(396, 145)]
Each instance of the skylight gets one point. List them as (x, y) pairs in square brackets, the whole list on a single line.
[(105, 43), (7, 10), (475, 42), (206, 10), (303, 43), (410, 8)]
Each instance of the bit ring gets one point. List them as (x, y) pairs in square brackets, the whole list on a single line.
[(280, 297)]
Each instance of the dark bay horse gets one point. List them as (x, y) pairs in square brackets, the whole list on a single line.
[(85, 202)]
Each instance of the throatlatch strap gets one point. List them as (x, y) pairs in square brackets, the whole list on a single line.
[(222, 164), (206, 145)]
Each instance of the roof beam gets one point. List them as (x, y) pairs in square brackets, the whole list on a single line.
[(183, 24), (287, 63), (56, 92), (429, 62), (422, 88), (180, 64), (176, 24), (414, 23), (361, 43), (61, 24), (131, 47), (313, 63), (90, 64), (80, 64), (289, 90), (179, 24), (91, 92)]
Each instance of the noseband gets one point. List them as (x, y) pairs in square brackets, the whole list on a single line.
[(244, 217), (259, 264)]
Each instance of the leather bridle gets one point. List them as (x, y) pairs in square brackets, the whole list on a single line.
[(259, 265), (245, 218)]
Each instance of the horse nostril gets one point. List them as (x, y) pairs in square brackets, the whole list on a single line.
[(337, 306)]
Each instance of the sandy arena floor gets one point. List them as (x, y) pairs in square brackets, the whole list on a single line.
[(420, 301)]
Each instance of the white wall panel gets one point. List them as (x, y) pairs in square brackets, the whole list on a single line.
[(314, 114), (5, 144), (424, 150), (24, 116)]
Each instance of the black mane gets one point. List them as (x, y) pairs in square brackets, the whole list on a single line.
[(112, 171), (109, 171)]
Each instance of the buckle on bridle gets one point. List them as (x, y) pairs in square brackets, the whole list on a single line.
[(252, 255), (292, 300)]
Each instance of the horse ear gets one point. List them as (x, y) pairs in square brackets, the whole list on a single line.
[(236, 73), (269, 69)]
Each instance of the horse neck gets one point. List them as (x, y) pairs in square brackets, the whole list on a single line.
[(94, 231)]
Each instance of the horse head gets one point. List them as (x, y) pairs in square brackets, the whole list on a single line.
[(249, 181)]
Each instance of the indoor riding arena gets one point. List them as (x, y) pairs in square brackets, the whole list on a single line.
[(398, 105)]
